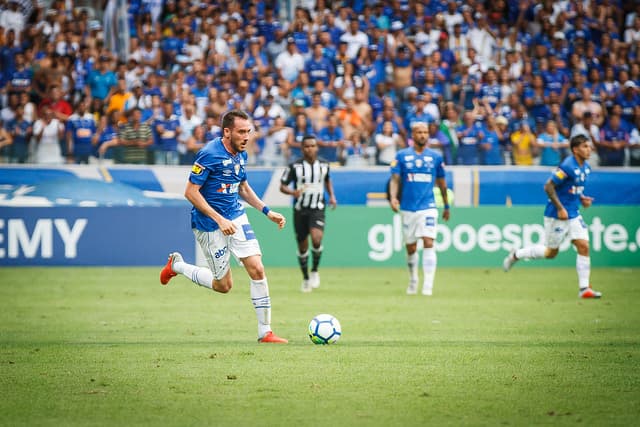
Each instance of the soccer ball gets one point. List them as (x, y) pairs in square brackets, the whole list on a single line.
[(324, 329)]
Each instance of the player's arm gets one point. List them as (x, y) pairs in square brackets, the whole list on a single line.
[(332, 198), (248, 195), (586, 201), (287, 178), (550, 189), (193, 195), (394, 185), (442, 185)]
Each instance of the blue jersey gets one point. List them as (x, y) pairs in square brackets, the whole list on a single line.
[(219, 173), (570, 180), (418, 173), (82, 129)]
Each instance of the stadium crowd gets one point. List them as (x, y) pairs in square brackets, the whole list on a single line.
[(498, 82)]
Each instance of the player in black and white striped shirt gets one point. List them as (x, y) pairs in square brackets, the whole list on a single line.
[(310, 178)]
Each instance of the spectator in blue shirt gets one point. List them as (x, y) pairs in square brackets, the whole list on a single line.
[(102, 81), (551, 145), (469, 137), (331, 140), (21, 131), (614, 139)]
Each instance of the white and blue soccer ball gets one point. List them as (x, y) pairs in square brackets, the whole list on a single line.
[(324, 329)]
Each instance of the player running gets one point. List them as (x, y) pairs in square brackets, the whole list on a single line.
[(562, 216), (310, 178), (220, 224)]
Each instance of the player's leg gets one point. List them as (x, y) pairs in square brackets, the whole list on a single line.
[(215, 247), (244, 245), (411, 245), (202, 276), (555, 231), (301, 226), (317, 233), (579, 236), (428, 232)]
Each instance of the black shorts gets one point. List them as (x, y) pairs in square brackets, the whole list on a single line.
[(306, 219)]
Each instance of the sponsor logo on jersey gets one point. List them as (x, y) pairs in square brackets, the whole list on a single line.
[(196, 169), (419, 177)]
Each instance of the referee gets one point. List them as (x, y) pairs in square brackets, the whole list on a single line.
[(310, 178)]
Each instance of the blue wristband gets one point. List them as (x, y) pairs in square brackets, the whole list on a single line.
[(266, 210), (446, 206)]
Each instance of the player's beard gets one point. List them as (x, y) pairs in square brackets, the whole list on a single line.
[(420, 142), (238, 145)]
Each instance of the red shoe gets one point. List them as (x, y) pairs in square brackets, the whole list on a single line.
[(273, 338), (167, 271), (589, 293)]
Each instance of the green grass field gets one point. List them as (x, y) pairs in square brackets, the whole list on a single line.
[(111, 347)]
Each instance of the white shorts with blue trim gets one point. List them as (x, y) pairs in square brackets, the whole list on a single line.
[(419, 224), (555, 230), (217, 247)]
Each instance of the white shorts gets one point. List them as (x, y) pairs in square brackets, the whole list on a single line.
[(419, 224), (217, 247), (555, 230)]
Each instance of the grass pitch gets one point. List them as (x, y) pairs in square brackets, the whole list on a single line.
[(111, 347)]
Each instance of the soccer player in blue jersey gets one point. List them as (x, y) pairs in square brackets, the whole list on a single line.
[(219, 222), (414, 172), (562, 216)]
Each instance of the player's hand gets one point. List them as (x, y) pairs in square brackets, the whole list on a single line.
[(227, 227), (586, 201), (446, 214), (333, 202), (278, 218), (562, 214), (395, 205)]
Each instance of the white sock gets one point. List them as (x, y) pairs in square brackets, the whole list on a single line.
[(412, 263), (198, 275), (583, 267), (429, 262), (262, 304), (531, 252)]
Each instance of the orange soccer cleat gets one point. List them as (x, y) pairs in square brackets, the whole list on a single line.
[(167, 271), (272, 338), (589, 293)]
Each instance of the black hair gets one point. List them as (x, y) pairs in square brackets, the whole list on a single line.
[(577, 141)]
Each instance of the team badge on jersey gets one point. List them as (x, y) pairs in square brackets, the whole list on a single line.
[(196, 169), (236, 169)]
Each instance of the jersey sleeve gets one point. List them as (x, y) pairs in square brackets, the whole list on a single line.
[(200, 170), (396, 167), (561, 174), (287, 175), (440, 168)]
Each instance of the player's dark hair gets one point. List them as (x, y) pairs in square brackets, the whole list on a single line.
[(308, 136), (228, 119), (577, 141)]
